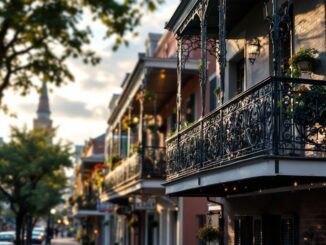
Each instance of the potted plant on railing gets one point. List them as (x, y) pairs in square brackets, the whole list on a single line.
[(135, 148), (209, 234), (115, 161), (304, 61)]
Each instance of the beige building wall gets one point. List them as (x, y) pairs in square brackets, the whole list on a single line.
[(310, 30)]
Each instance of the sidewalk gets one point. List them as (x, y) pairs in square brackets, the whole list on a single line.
[(64, 241)]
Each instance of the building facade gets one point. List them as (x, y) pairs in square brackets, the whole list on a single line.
[(141, 119), (261, 153), (86, 209)]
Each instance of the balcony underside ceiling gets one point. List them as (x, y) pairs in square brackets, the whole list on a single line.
[(88, 213), (162, 82), (255, 176), (184, 22), (121, 194)]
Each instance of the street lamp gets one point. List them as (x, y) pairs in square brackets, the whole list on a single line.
[(48, 228)]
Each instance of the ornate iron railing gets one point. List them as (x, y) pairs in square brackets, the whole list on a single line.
[(281, 117), (150, 164), (85, 203)]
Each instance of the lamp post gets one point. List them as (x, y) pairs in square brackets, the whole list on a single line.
[(49, 228)]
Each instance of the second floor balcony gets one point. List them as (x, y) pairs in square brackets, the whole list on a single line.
[(142, 172), (86, 206), (270, 136)]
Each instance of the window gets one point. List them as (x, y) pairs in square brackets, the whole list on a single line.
[(267, 230), (243, 230), (124, 144), (190, 109), (289, 230), (240, 76), (236, 74), (173, 122)]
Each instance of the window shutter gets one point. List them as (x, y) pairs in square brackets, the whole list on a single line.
[(237, 224), (212, 94)]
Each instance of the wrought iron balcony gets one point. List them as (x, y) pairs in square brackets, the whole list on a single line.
[(277, 118), (147, 166), (85, 206)]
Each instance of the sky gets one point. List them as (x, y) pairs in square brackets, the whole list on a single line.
[(80, 109)]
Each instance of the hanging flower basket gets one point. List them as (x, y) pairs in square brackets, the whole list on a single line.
[(209, 234), (133, 223)]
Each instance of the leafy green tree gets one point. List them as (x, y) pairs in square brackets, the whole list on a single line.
[(31, 165), (38, 36)]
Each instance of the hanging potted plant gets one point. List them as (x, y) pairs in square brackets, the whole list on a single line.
[(148, 95), (209, 234), (304, 61), (152, 127), (133, 222)]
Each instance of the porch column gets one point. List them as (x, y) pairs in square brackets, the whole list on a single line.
[(129, 132), (109, 143), (222, 46), (203, 46), (120, 138), (179, 81), (275, 27), (141, 114), (141, 125)]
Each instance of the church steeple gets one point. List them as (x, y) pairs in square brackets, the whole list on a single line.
[(43, 110)]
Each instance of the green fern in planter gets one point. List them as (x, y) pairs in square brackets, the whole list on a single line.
[(303, 55)]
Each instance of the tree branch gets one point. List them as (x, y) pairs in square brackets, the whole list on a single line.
[(12, 41), (6, 80), (6, 194)]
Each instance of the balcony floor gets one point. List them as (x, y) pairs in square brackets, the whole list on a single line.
[(142, 186), (256, 175)]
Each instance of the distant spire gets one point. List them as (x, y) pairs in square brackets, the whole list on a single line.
[(43, 110), (43, 106)]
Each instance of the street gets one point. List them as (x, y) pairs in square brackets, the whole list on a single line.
[(64, 241)]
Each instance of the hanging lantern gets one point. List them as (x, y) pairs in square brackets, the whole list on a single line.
[(253, 50)]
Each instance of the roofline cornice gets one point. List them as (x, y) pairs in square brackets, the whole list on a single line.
[(180, 14)]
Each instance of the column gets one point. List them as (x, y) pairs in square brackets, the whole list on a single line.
[(222, 46), (203, 45), (179, 81), (276, 39), (129, 132)]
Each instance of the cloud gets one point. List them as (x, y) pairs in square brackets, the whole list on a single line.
[(94, 85), (64, 107)]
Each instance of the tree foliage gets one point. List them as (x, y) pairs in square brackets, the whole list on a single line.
[(31, 172), (38, 36)]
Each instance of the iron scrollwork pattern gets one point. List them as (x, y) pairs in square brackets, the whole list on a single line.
[(303, 113), (150, 165), (245, 127)]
